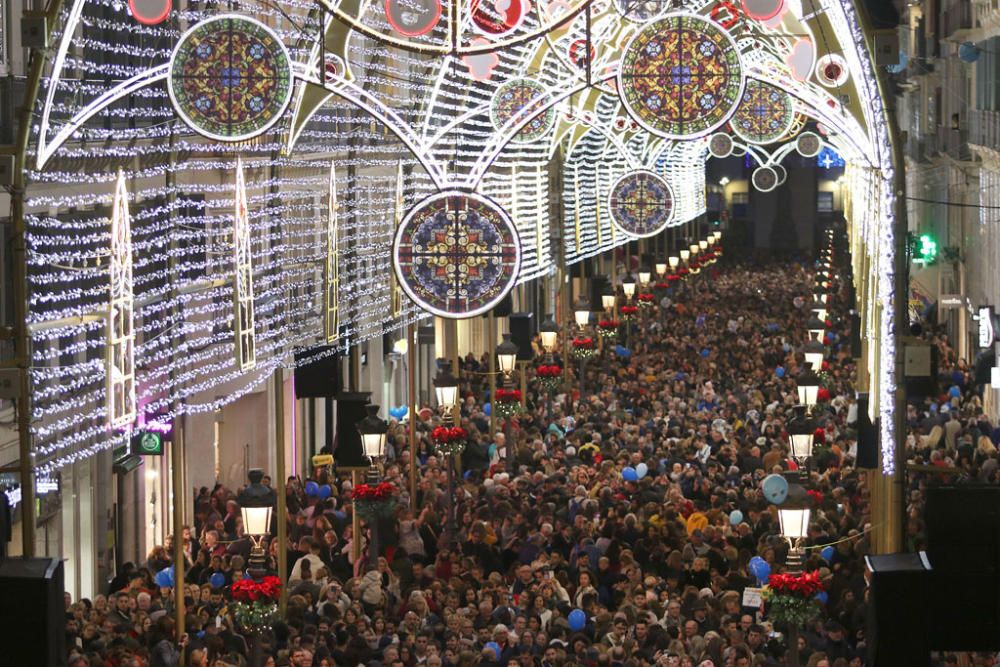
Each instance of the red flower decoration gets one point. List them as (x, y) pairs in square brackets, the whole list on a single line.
[(825, 366), (683, 271), (380, 491), (673, 277), (816, 496), (645, 298), (585, 343), (662, 285), (819, 436), (628, 310), (508, 395), (550, 371), (443, 434), (607, 324), (803, 585), (248, 590), (823, 395)]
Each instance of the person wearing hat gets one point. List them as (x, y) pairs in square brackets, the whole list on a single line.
[(835, 642)]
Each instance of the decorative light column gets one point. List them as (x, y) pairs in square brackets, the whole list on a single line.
[(581, 314), (256, 505)]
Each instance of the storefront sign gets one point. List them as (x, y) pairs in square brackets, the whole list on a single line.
[(148, 443), (43, 486), (986, 333), (950, 301)]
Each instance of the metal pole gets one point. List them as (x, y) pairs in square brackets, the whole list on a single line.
[(280, 474), (22, 337), (491, 350), (524, 383), (177, 481), (411, 351), (356, 521)]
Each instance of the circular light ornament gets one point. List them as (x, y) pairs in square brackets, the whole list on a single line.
[(762, 10), (764, 115), (412, 18), (720, 145), (641, 203), (640, 11), (808, 144), (519, 98), (230, 78), (831, 70), (150, 12), (495, 18), (456, 254), (581, 53), (781, 172), (681, 76), (764, 179)]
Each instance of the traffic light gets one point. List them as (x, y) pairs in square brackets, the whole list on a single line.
[(925, 249)]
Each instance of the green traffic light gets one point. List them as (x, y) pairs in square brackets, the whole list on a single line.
[(928, 248)]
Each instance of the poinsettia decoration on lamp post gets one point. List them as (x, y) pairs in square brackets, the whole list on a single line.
[(372, 501), (449, 440), (508, 402), (607, 329), (549, 376), (584, 348), (790, 598), (255, 602)]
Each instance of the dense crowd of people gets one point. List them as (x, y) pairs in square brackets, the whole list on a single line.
[(555, 558)]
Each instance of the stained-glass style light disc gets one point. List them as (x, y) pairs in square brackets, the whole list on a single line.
[(681, 76), (765, 113), (457, 254), (498, 17), (640, 11), (764, 179), (831, 70), (230, 78), (808, 144), (517, 99), (412, 18), (641, 203), (720, 145)]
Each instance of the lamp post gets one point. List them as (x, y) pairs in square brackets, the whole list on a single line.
[(801, 431), (814, 352), (807, 385), (256, 505), (373, 430), (507, 358), (645, 276), (581, 313), (548, 331), (816, 328), (661, 269), (628, 288), (446, 393)]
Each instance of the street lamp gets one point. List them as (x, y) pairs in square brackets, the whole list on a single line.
[(373, 429), (446, 387), (793, 516), (661, 268), (581, 311), (674, 261), (628, 286), (608, 298), (819, 296), (685, 254), (507, 356), (807, 385), (703, 244), (801, 430), (694, 248), (256, 502), (816, 327), (645, 275), (814, 352), (549, 333)]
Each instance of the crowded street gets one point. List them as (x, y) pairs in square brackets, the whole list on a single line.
[(625, 527)]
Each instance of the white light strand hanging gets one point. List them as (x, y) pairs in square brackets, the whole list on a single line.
[(120, 334), (243, 307)]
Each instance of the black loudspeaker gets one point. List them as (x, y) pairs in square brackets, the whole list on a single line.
[(319, 378), (856, 335), (597, 285), (867, 435), (963, 546), (347, 449), (521, 333), (33, 590), (502, 309), (898, 615), (425, 334)]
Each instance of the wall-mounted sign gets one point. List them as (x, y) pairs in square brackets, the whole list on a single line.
[(147, 443), (43, 486), (950, 301), (986, 333)]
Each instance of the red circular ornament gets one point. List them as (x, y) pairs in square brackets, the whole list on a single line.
[(581, 52), (150, 12), (498, 17)]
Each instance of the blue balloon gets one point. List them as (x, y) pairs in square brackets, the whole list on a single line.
[(823, 597), (487, 409), (954, 392), (399, 412), (827, 553), (759, 568), (779, 371), (324, 491), (312, 489), (775, 488), (493, 646), (629, 474), (735, 518), (641, 470), (218, 580), (623, 351), (577, 620), (165, 577), (705, 352), (968, 52)]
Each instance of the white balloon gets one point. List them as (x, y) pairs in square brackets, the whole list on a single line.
[(641, 470)]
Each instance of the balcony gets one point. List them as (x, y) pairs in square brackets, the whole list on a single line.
[(984, 128), (957, 15)]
